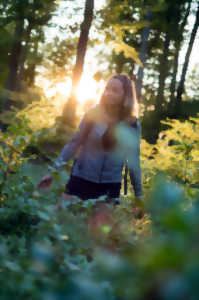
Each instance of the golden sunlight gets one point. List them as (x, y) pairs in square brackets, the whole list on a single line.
[(88, 92)]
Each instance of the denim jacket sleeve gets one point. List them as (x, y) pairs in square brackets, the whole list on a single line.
[(71, 147), (133, 162)]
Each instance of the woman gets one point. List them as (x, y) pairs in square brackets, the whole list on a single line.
[(108, 136)]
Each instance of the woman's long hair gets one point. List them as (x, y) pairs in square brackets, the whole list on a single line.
[(129, 106)]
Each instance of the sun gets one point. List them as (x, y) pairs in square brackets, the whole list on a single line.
[(89, 90)]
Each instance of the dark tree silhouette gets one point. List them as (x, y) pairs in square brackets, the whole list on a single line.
[(178, 41), (180, 89), (69, 110), (14, 60), (143, 55)]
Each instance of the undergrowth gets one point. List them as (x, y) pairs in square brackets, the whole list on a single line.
[(76, 254)]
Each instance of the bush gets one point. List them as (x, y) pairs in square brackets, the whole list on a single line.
[(46, 253)]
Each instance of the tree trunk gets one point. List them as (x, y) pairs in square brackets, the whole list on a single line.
[(69, 110), (180, 90), (176, 57), (29, 73), (14, 61), (143, 54), (24, 53), (163, 73)]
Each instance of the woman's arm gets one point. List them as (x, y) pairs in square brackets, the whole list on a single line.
[(72, 146), (133, 162), (68, 152), (128, 138), (135, 176)]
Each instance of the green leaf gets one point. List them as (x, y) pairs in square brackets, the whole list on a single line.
[(12, 266), (129, 51), (43, 216)]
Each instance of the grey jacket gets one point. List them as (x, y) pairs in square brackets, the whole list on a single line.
[(95, 164)]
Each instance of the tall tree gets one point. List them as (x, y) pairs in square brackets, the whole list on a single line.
[(163, 73), (14, 59), (23, 56), (177, 43), (33, 59), (143, 55), (69, 110), (180, 89), (36, 13)]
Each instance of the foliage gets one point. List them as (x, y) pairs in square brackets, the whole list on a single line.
[(76, 254), (120, 46), (41, 117), (175, 153), (58, 54)]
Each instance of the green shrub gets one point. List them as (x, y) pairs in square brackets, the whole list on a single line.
[(50, 254)]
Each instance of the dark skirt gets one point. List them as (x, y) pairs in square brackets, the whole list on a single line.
[(85, 189)]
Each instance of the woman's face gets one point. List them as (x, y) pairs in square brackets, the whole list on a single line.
[(114, 92)]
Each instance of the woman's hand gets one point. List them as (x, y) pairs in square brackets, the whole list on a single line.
[(45, 182)]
